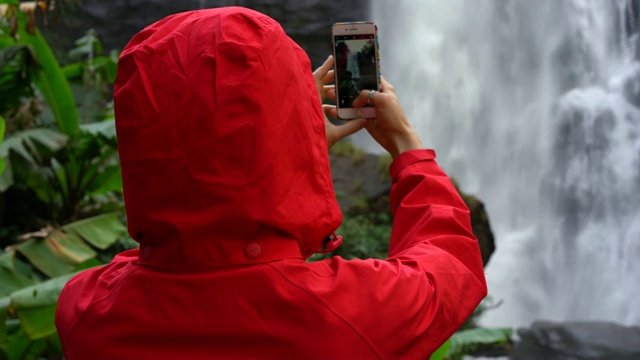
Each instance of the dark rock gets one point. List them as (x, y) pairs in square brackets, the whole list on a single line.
[(308, 22), (480, 226), (578, 341), (360, 180)]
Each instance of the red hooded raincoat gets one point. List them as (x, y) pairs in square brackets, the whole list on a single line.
[(228, 189)]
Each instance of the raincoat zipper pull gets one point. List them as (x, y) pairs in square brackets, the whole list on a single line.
[(331, 243)]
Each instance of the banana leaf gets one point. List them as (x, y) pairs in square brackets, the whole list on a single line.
[(35, 306), (51, 80), (441, 353), (100, 231)]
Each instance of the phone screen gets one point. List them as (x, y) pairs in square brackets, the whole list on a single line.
[(356, 68)]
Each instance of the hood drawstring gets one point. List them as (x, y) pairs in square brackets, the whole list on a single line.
[(330, 243)]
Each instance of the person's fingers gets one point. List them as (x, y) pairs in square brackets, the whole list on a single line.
[(329, 77), (322, 71), (363, 98), (330, 110), (330, 91)]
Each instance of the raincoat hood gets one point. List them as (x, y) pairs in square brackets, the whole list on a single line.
[(222, 143)]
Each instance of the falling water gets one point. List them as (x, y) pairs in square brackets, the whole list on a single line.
[(534, 107)]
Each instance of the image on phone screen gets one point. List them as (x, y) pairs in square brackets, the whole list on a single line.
[(355, 65)]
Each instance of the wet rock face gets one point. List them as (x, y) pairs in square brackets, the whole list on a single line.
[(308, 22), (578, 341)]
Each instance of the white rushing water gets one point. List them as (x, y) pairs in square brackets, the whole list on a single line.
[(533, 107)]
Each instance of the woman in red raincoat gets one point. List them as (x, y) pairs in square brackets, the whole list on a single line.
[(223, 146)]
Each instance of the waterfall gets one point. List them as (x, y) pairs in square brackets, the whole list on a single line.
[(534, 107)]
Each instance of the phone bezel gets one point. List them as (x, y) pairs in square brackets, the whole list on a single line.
[(356, 28)]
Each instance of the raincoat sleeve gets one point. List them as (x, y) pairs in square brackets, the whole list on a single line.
[(433, 246), (406, 306)]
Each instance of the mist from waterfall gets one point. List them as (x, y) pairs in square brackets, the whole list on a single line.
[(533, 107)]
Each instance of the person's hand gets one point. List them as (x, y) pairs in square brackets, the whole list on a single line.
[(390, 128), (323, 76)]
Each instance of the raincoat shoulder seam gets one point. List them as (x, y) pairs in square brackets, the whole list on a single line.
[(94, 304), (347, 322)]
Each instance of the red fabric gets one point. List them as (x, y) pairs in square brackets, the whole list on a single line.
[(228, 189)]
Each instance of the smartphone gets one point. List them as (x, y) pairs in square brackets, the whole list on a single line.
[(357, 66)]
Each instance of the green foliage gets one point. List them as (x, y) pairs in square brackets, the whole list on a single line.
[(68, 173), (27, 304), (469, 341), (382, 166), (56, 171), (343, 149), (49, 78), (18, 66), (359, 156), (442, 351), (347, 149), (365, 236), (63, 171)]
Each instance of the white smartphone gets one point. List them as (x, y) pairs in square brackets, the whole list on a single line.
[(357, 66)]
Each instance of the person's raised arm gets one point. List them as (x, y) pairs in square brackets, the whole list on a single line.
[(390, 128)]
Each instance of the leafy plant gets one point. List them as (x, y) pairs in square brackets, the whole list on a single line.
[(61, 175), (441, 353), (473, 340), (365, 236), (73, 171), (53, 256), (49, 78)]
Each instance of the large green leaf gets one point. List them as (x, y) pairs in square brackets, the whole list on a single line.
[(474, 338), (71, 247), (6, 177), (34, 145), (58, 254), (100, 231), (25, 143), (441, 353), (17, 345), (10, 280), (110, 179), (36, 306), (104, 128), (2, 128), (51, 80), (4, 312), (18, 67), (45, 258)]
